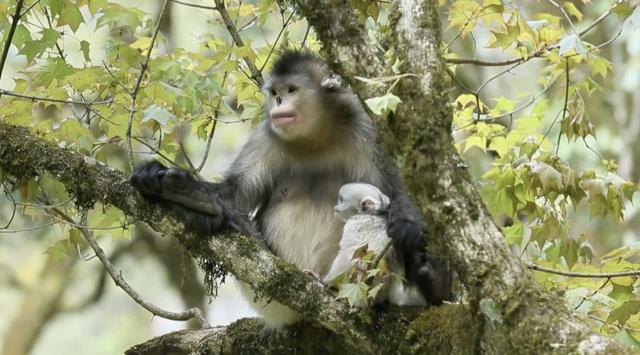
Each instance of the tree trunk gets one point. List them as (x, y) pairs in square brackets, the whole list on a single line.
[(508, 312)]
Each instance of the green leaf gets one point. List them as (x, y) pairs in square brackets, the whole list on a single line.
[(158, 114), (53, 5), (624, 312), (70, 15), (571, 42), (572, 10), (575, 123), (600, 65), (355, 293), (625, 338), (550, 178), (381, 104), (514, 233), (21, 36), (621, 293), (60, 250), (95, 5)]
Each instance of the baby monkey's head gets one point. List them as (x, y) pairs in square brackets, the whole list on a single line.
[(354, 198)]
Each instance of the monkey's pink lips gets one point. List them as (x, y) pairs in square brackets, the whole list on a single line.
[(283, 119)]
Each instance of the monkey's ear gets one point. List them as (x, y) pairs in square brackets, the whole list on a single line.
[(333, 82), (384, 200)]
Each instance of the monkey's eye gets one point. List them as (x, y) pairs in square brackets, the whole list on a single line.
[(292, 89), (273, 92)]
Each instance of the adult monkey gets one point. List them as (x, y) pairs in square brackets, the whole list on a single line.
[(314, 138)]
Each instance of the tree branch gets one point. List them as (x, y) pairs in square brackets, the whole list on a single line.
[(25, 156), (12, 31), (256, 74), (124, 285), (605, 275), (134, 92)]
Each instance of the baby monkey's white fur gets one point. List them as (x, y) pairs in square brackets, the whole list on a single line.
[(360, 206)]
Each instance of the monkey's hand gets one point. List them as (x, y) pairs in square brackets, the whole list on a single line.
[(406, 233), (195, 201), (156, 181)]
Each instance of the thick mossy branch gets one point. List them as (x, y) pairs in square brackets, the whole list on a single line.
[(448, 329), (25, 156)]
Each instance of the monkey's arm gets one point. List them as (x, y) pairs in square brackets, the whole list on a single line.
[(406, 225), (200, 205)]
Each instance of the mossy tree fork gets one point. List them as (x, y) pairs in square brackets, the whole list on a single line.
[(531, 320)]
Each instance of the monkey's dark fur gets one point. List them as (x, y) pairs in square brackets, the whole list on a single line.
[(314, 138)]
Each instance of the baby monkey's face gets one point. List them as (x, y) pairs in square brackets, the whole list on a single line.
[(355, 198)]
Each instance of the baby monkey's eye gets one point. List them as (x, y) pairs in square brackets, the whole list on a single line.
[(292, 89), (273, 92)]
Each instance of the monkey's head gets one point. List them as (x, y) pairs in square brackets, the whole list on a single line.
[(354, 198), (298, 94)]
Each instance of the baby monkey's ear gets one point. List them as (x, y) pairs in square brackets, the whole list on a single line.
[(333, 82)]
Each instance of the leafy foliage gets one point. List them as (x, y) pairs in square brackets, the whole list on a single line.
[(527, 182)]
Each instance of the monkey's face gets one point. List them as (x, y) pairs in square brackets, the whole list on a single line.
[(293, 108)]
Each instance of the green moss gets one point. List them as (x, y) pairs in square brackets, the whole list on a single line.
[(437, 331), (248, 336)]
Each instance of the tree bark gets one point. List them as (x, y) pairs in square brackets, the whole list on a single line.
[(525, 318)]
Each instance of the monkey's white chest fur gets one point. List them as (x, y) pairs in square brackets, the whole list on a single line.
[(302, 229), (304, 232)]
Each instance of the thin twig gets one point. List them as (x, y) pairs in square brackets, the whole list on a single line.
[(155, 151), (134, 92), (605, 283), (186, 157), (596, 22), (120, 281), (7, 193), (564, 12), (275, 43), (537, 267), (379, 257), (29, 8), (214, 122), (306, 34), (635, 330), (193, 5), (48, 17), (27, 229), (113, 76), (12, 31), (256, 74), (566, 101), (67, 101), (44, 206)]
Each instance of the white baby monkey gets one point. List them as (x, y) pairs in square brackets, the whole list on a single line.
[(362, 207)]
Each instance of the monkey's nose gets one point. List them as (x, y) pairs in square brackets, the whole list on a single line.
[(278, 100)]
